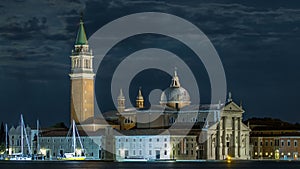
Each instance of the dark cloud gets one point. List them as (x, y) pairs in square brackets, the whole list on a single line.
[(256, 40)]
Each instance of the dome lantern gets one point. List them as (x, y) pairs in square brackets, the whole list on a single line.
[(175, 96)]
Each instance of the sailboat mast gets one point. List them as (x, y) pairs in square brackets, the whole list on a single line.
[(22, 139), (6, 139), (37, 137), (74, 137)]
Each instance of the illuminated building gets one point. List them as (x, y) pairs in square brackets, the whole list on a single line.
[(82, 79), (271, 143)]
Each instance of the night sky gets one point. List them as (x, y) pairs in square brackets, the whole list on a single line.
[(257, 41)]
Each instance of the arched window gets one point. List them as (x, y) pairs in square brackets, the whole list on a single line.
[(172, 120), (75, 62)]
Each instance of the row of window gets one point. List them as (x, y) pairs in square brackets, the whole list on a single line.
[(150, 140), (62, 140), (179, 152), (282, 143), (157, 139), (186, 145), (77, 63), (270, 154), (128, 120), (194, 119)]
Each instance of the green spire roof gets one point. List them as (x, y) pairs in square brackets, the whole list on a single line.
[(81, 36)]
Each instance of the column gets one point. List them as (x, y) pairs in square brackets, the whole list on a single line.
[(219, 140), (239, 136), (224, 141), (234, 137)]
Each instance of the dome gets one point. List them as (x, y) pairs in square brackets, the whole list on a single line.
[(175, 96)]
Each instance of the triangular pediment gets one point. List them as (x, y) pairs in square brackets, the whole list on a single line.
[(232, 107)]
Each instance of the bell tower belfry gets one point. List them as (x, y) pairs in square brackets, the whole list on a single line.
[(82, 78)]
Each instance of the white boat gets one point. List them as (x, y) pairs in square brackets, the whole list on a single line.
[(75, 155), (21, 155), (38, 155)]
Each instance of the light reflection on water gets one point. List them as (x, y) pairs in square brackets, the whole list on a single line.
[(150, 165)]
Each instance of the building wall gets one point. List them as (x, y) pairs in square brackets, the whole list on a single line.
[(148, 147), (52, 147), (267, 147), (149, 119), (15, 140), (82, 99), (184, 147)]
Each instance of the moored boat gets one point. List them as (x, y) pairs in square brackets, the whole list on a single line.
[(74, 155), (21, 155)]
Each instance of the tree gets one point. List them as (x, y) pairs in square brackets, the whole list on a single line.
[(2, 138), (2, 133), (59, 125)]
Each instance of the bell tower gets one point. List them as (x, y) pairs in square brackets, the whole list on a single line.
[(82, 78), (121, 102), (140, 100)]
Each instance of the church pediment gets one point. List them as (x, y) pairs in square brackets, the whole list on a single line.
[(232, 107)]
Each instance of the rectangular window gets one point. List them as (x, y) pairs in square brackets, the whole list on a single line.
[(192, 152), (271, 143), (255, 143), (282, 143), (166, 145), (150, 152), (276, 142), (266, 143), (166, 152), (261, 143), (295, 143)]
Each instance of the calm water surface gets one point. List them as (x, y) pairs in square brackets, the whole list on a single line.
[(146, 165)]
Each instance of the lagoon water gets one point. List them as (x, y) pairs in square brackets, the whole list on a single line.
[(149, 165)]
